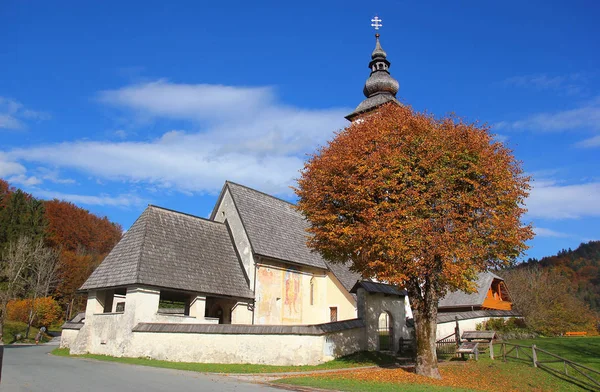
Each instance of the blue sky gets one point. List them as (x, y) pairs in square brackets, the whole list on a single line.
[(114, 105)]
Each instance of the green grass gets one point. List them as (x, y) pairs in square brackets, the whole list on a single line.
[(13, 328), (583, 350), (482, 375), (340, 384), (354, 360)]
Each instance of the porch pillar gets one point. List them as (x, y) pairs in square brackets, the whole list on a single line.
[(198, 306)]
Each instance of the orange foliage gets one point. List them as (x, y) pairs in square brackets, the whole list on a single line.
[(74, 270), (402, 195), (481, 376), (417, 202), (47, 311), (72, 227), (85, 239)]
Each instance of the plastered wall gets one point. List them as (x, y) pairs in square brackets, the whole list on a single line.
[(283, 296), (445, 329)]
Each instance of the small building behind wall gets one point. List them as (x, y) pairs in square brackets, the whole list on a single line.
[(490, 300), (383, 308)]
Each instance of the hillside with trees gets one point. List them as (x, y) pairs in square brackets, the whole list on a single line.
[(559, 293), (581, 266), (48, 248)]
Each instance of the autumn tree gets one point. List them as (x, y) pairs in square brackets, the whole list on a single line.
[(84, 239), (417, 202), (13, 268), (20, 215), (548, 301), (41, 274)]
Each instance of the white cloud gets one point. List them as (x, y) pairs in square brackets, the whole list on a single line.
[(9, 167), (246, 136), (553, 201), (9, 122), (126, 200), (585, 117), (589, 143), (187, 101), (22, 179), (12, 114), (543, 232), (569, 84), (53, 175)]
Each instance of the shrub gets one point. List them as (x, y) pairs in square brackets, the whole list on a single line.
[(47, 311), (502, 325)]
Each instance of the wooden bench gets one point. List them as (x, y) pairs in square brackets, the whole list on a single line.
[(576, 334), (481, 337)]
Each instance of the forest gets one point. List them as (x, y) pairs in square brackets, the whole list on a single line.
[(48, 248), (581, 266), (559, 293)]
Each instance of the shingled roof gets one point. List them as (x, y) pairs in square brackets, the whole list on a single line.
[(170, 249), (457, 299), (274, 227)]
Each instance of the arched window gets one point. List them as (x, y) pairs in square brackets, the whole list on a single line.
[(312, 291)]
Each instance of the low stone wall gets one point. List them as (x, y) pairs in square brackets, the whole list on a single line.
[(255, 344), (67, 337)]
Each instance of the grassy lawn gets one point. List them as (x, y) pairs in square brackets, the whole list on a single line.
[(583, 350), (354, 360), (14, 328), (344, 384), (484, 375)]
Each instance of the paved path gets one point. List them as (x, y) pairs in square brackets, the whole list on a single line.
[(31, 369)]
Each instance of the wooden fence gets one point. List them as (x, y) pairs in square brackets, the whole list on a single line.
[(446, 347), (568, 370)]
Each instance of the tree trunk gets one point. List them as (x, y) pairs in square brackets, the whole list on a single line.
[(3, 306), (425, 328), (425, 298), (29, 322)]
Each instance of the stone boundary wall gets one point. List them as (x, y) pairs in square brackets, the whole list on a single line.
[(227, 343), (319, 329)]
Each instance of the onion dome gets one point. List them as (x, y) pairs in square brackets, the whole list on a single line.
[(380, 87)]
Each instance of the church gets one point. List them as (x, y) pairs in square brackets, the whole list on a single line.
[(241, 286)]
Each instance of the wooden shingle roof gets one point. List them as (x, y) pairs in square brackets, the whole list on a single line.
[(459, 298), (376, 287), (274, 227), (170, 249)]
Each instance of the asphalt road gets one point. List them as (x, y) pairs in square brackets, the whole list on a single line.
[(32, 369)]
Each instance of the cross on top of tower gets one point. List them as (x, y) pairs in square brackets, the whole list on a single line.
[(376, 22)]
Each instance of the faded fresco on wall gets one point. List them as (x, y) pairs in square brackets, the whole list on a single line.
[(292, 298), (268, 289)]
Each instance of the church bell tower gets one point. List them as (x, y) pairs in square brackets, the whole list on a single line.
[(380, 87)]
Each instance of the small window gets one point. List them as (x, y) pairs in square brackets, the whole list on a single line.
[(120, 307), (312, 291), (333, 314)]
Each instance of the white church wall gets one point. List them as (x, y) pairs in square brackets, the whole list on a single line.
[(445, 329), (227, 211), (283, 295), (110, 333), (339, 297)]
